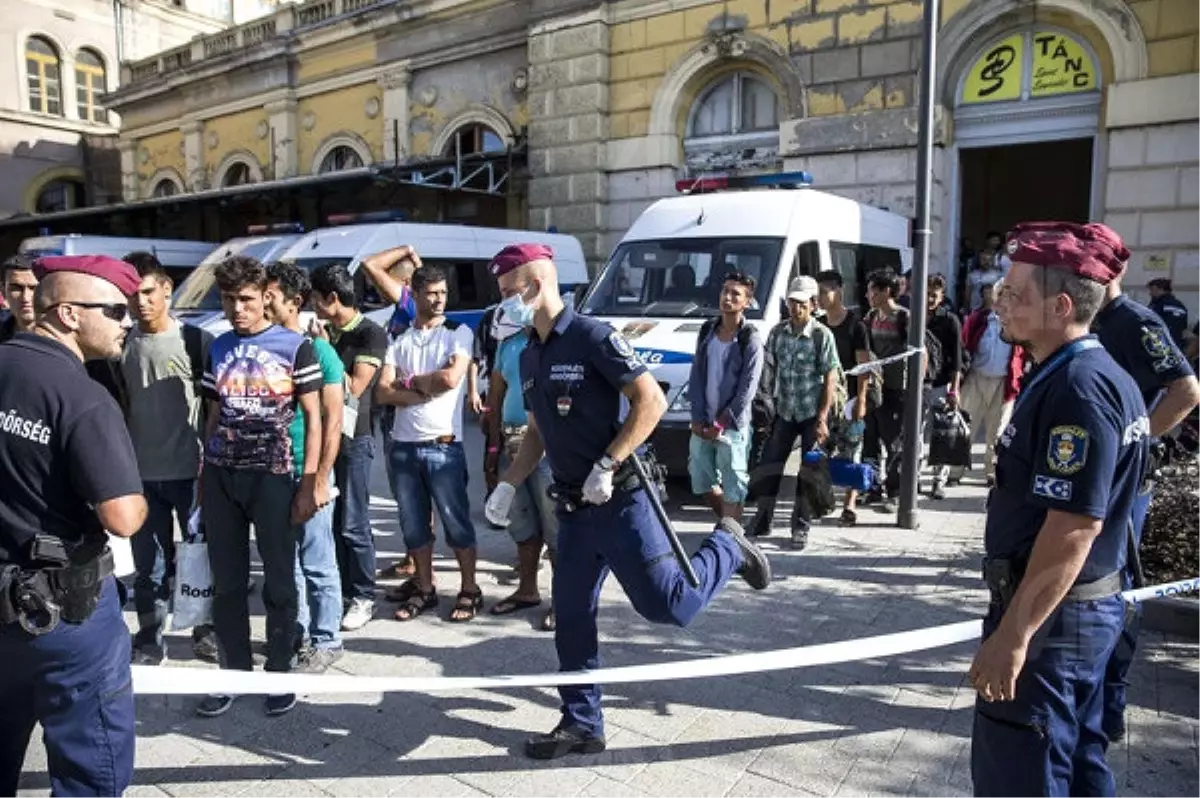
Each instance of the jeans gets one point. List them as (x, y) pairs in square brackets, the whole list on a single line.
[(426, 475), (75, 681), (153, 549), (775, 456), (885, 430), (352, 518), (318, 584), (233, 500)]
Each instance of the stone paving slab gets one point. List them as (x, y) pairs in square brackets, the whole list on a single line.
[(895, 726)]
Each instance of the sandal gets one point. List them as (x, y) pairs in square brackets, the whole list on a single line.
[(403, 592), (466, 606), (549, 623), (513, 603), (849, 518), (399, 570), (416, 604)]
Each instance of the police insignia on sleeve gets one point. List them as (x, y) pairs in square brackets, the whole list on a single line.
[(1158, 348), (620, 345), (1052, 488), (1067, 453)]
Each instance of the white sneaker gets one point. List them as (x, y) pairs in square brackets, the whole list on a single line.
[(359, 615)]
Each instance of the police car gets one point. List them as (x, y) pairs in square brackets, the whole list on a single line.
[(664, 278)]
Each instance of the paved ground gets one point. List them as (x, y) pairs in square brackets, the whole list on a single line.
[(897, 726)]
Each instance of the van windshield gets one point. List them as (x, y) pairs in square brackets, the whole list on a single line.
[(681, 276), (199, 291)]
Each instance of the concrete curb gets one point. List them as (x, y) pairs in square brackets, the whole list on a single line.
[(1172, 615)]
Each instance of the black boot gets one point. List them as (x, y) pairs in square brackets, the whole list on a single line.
[(760, 525), (564, 739)]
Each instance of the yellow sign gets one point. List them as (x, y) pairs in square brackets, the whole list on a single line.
[(1060, 66), (996, 74)]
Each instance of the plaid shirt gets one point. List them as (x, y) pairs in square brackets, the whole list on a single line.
[(799, 368)]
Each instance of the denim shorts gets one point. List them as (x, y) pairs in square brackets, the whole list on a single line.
[(533, 513), (724, 463), (428, 475)]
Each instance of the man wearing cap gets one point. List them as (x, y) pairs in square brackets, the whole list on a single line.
[(800, 375), (1142, 344), (1069, 464), (69, 473), (576, 373)]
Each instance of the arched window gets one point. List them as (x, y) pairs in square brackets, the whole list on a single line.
[(60, 195), (90, 86), (42, 69), (736, 105), (475, 139), (238, 174), (165, 188), (339, 159)]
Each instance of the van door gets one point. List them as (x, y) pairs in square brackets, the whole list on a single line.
[(855, 262)]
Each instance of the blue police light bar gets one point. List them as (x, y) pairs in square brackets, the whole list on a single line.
[(274, 229), (366, 218), (726, 182)]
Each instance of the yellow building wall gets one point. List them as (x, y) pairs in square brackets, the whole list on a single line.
[(237, 132), (341, 111), (166, 152), (1171, 28), (335, 59)]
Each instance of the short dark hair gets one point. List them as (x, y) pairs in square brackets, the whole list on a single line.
[(936, 282), (994, 234), (293, 281), (426, 276), (831, 277), (239, 271), (742, 279), (885, 279), (1161, 283), (16, 263), (147, 265), (334, 278)]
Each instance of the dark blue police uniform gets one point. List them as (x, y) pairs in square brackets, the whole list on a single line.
[(572, 385), (1140, 342), (1076, 443), (63, 449)]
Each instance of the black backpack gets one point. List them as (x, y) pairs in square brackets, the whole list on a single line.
[(108, 372)]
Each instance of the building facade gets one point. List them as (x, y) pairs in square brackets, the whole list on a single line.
[(1049, 108), (58, 61)]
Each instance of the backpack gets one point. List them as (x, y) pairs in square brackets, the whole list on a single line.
[(108, 372), (761, 409)]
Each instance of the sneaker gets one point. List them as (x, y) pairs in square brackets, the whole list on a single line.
[(359, 615), (563, 740), (799, 539), (756, 568), (938, 492), (279, 704), (147, 655), (317, 660), (849, 518), (214, 705), (205, 647)]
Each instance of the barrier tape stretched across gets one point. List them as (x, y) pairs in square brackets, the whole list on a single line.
[(157, 680), (876, 365)]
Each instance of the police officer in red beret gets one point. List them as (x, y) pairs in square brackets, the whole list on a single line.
[(1068, 469), (69, 473)]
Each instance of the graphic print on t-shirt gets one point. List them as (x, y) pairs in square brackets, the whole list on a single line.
[(256, 379)]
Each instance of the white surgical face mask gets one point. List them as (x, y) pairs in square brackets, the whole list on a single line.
[(517, 310)]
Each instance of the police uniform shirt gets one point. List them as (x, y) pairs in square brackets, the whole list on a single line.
[(1077, 443), (1139, 341), (63, 447), (572, 384)]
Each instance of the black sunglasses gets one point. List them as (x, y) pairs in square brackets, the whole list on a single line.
[(117, 311)]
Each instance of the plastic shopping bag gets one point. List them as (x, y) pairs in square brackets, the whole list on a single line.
[(193, 579)]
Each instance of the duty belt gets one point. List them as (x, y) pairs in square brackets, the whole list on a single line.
[(569, 498), (1003, 576), (38, 599)]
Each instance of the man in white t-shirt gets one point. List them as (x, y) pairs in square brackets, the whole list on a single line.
[(423, 376)]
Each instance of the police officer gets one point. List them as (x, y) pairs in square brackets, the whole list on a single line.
[(1068, 468), (575, 371), (1141, 343), (69, 473)]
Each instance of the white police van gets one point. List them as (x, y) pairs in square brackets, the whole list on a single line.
[(664, 278), (178, 256)]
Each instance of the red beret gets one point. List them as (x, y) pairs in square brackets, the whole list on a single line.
[(117, 272), (515, 255), (1092, 251)]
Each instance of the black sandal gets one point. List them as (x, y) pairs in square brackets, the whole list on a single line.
[(416, 604), (467, 605), (403, 592)]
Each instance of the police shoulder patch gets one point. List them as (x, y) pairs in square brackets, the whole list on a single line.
[(1068, 449), (1052, 488), (1155, 343), (620, 345)]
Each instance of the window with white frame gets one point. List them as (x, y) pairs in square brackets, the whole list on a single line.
[(737, 107), (89, 86), (43, 70), (475, 139)]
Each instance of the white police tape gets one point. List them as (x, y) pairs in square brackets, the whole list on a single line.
[(160, 680), (876, 365)]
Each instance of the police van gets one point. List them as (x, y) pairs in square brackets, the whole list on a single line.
[(197, 301), (664, 278), (179, 257)]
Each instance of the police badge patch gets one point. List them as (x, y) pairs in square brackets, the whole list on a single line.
[(1067, 453), (1052, 488), (620, 345), (1155, 343)]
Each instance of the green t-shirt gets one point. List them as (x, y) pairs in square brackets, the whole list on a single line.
[(332, 373)]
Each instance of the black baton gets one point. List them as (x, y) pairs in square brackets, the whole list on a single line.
[(681, 554)]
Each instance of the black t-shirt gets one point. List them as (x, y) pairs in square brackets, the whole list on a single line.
[(850, 337), (947, 329), (362, 341), (63, 447), (8, 326)]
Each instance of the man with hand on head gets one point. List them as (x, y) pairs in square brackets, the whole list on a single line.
[(69, 474), (1068, 470), (576, 375)]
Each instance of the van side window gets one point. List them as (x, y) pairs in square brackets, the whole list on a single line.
[(468, 286), (807, 260), (856, 261)]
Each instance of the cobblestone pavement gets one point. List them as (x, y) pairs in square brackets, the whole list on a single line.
[(896, 726)]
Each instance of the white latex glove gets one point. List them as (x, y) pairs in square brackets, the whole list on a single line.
[(499, 504), (599, 486)]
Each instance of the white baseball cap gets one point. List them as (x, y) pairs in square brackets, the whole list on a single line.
[(802, 289)]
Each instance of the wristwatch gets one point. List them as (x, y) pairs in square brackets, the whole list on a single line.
[(607, 463)]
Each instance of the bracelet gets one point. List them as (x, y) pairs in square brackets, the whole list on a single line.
[(493, 449), (408, 382)]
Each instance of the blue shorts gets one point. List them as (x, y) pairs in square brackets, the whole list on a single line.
[(713, 463), (428, 475)]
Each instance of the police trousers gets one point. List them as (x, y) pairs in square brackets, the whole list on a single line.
[(75, 681), (1116, 675), (623, 536), (1050, 740)]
